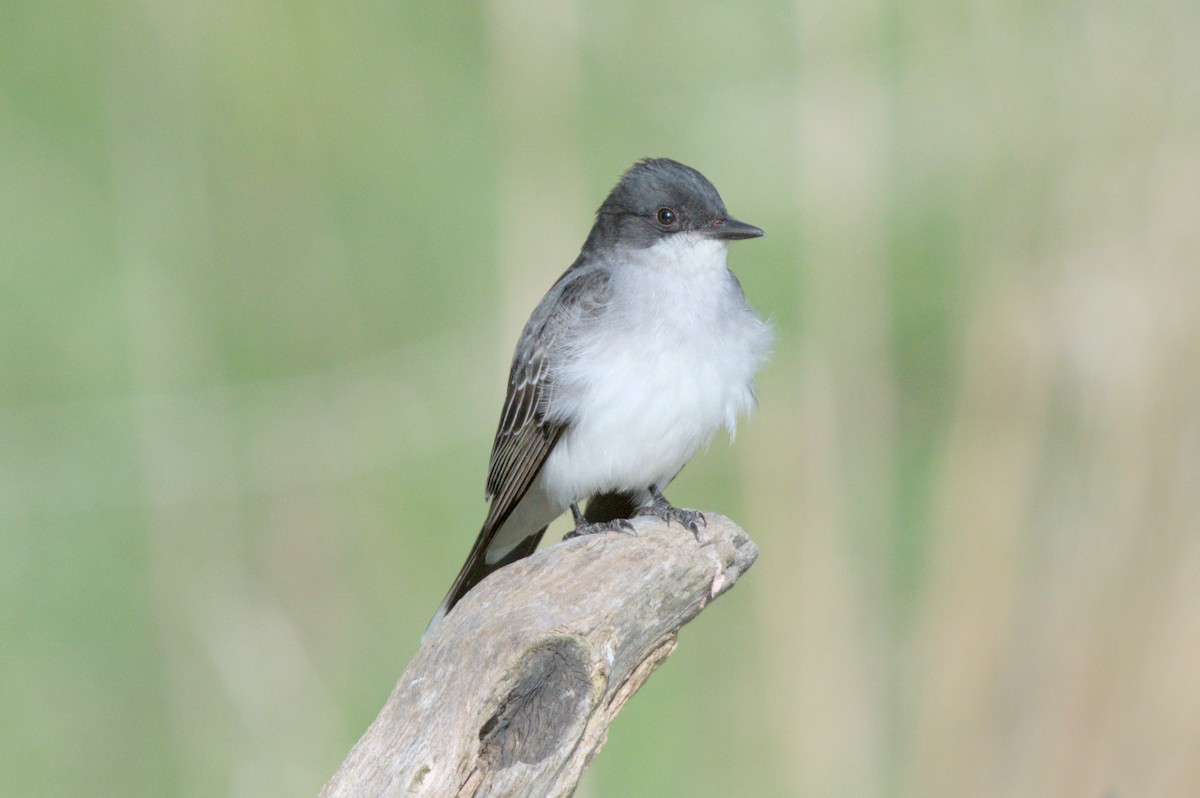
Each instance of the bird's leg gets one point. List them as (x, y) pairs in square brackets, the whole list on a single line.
[(661, 508), (586, 527)]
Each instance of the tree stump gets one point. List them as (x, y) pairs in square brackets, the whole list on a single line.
[(513, 692)]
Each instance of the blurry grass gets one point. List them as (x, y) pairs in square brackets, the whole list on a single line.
[(262, 266)]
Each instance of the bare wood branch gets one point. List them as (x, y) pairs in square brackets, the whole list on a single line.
[(513, 693)]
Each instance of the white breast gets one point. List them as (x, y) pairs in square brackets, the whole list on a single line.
[(670, 363)]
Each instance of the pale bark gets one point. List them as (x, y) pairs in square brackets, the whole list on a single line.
[(513, 692)]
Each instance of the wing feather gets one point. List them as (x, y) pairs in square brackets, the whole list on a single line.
[(525, 436)]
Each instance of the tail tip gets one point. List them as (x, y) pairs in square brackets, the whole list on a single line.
[(435, 620)]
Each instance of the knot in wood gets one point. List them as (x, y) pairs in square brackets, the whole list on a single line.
[(552, 693)]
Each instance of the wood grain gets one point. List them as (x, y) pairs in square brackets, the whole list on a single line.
[(513, 692)]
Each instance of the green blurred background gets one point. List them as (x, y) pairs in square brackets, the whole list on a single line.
[(262, 265)]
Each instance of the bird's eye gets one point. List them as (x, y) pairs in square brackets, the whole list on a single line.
[(666, 217)]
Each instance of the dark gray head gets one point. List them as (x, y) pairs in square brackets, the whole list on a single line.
[(658, 198)]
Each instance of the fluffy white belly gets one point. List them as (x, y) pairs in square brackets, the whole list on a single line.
[(656, 379)]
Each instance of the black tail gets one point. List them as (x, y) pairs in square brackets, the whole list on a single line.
[(477, 567)]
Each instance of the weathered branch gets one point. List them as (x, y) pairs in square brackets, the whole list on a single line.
[(512, 693)]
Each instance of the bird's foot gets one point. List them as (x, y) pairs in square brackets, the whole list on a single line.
[(659, 507), (584, 527)]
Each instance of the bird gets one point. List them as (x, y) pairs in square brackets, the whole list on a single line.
[(633, 360)]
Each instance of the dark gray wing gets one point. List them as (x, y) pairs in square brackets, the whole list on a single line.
[(525, 435)]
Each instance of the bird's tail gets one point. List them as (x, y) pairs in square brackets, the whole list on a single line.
[(477, 567)]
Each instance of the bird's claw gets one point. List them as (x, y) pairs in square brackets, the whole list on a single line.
[(584, 528), (667, 512)]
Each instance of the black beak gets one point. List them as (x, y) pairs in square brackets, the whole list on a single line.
[(732, 230)]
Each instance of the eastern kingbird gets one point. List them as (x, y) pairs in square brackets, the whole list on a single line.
[(632, 361)]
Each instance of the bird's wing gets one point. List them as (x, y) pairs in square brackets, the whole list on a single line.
[(525, 435)]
